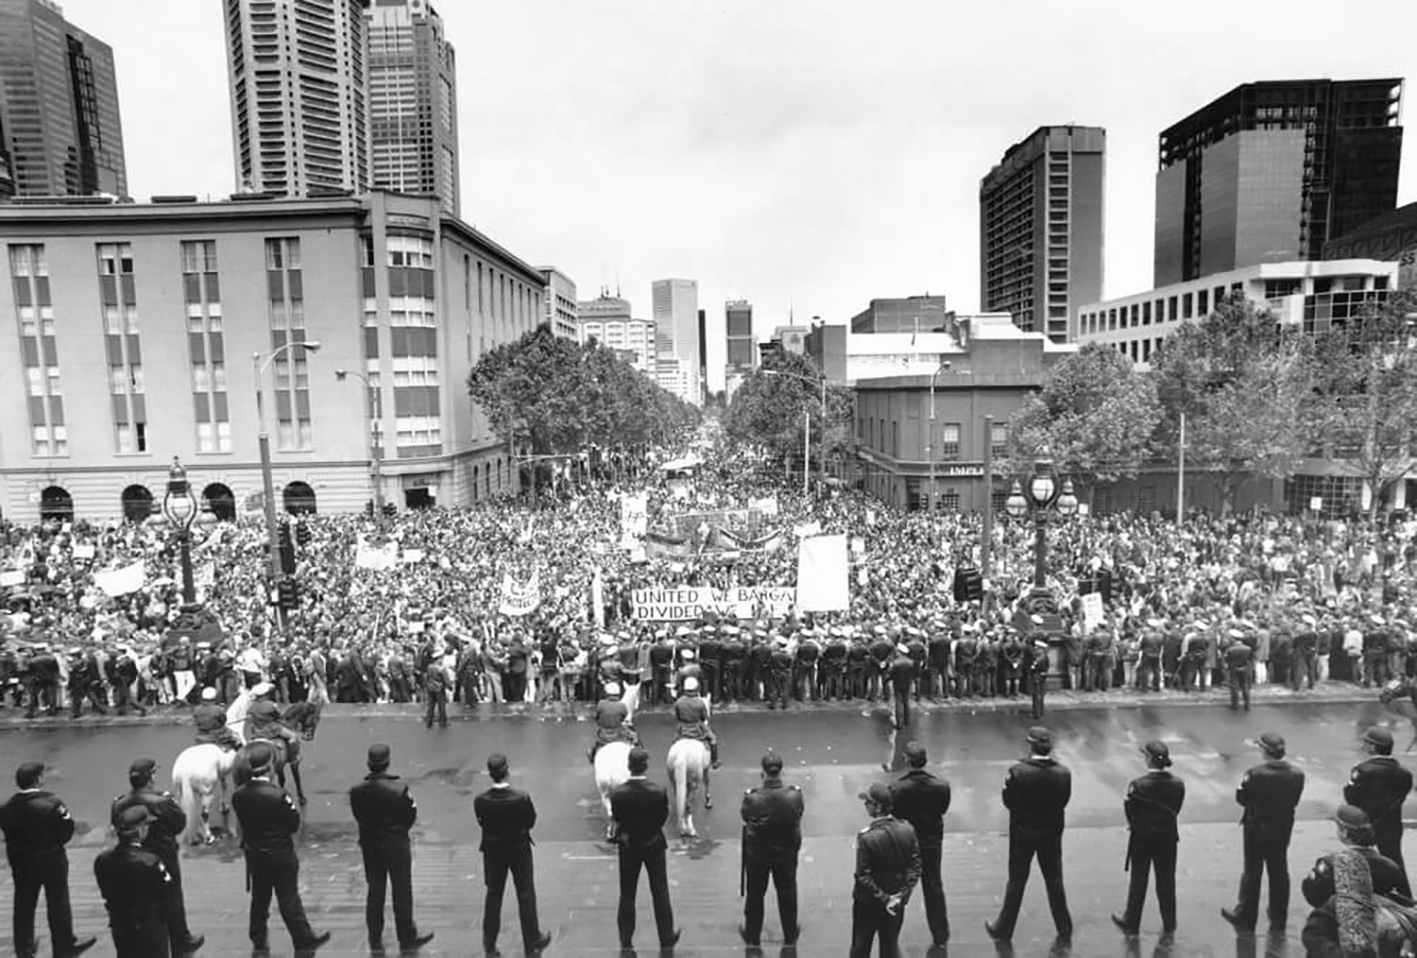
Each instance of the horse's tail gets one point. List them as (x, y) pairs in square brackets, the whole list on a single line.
[(679, 774), (191, 802)]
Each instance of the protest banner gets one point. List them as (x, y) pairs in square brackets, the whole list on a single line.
[(1092, 614), (858, 546), (667, 547), (11, 578), (84, 550), (807, 529), (204, 576), (412, 555), (634, 515), (822, 574), (686, 603), (766, 505), (520, 598), (121, 581), (378, 558)]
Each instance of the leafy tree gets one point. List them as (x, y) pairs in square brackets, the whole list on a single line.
[(1094, 417), (1243, 384), (1364, 406), (772, 404)]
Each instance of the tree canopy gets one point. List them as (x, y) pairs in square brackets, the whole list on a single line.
[(771, 405)]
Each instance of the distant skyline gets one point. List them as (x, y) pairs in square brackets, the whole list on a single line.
[(804, 154)]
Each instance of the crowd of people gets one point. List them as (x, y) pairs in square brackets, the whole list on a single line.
[(1274, 599)]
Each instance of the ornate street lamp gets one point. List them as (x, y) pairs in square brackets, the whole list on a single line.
[(181, 507), (1044, 501)]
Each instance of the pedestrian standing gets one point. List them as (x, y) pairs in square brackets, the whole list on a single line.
[(269, 821), (165, 823), (1036, 792), (1238, 656), (435, 685), (887, 870), (639, 809), (136, 887), (385, 811), (902, 671), (922, 799), (1379, 786), (1152, 806), (1269, 793), (772, 837), (507, 816), (1038, 676), (37, 826)]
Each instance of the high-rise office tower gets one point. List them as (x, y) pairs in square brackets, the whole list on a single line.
[(676, 315), (1270, 171), (299, 117), (58, 105), (413, 108), (1041, 229), (738, 334)]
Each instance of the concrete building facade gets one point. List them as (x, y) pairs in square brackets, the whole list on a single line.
[(1041, 228), (1270, 171), (740, 344), (906, 314), (561, 314), (298, 73), (608, 320), (60, 127), (110, 306), (675, 305), (413, 102)]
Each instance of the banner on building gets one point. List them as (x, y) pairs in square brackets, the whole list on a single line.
[(520, 598), (121, 581), (634, 515), (822, 584), (687, 603)]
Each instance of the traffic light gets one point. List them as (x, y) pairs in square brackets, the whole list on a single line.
[(390, 509), (289, 594), (302, 534), (968, 585), (287, 550)]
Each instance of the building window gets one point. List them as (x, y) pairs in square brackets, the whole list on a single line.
[(1187, 302), (39, 353), (118, 310), (999, 440), (949, 501), (285, 285), (949, 440), (1202, 303), (206, 347), (1146, 313)]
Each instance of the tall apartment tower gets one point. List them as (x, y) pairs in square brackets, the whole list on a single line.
[(299, 116), (738, 334), (675, 303), (413, 109), (59, 118), (1041, 229), (1270, 171)]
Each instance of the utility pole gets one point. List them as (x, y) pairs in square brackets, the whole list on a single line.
[(1181, 473)]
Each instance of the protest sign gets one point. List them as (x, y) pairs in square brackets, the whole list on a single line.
[(520, 598), (858, 546), (1092, 614), (412, 555), (766, 505), (121, 581), (204, 576), (10, 578), (807, 529), (634, 515), (822, 574), (681, 603), (378, 558), (84, 550)]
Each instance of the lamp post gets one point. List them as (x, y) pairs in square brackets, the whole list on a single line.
[(820, 381), (1043, 501), (260, 362), (376, 457), (930, 440), (180, 507)]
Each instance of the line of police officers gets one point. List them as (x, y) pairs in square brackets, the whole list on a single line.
[(140, 878)]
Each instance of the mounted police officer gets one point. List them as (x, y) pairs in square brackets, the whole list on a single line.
[(210, 720), (691, 713), (612, 720), (165, 823), (772, 836), (136, 886)]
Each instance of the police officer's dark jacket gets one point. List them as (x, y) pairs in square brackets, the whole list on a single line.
[(1269, 792), (35, 823), (507, 817), (772, 819), (268, 816), (887, 860), (168, 822), (922, 800), (383, 808), (1379, 786), (1153, 803), (640, 809), (132, 880), (1035, 792)]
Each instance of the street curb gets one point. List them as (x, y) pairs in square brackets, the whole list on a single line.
[(11, 718)]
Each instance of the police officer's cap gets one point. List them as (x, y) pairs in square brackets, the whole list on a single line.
[(691, 684), (915, 754), (142, 767), (133, 816), (772, 763), (208, 694), (28, 774), (1351, 818), (1157, 753), (612, 688), (1040, 738), (878, 795), (260, 755), (1272, 742), (1379, 737), (378, 758)]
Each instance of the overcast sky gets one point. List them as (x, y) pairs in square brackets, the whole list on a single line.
[(816, 153)]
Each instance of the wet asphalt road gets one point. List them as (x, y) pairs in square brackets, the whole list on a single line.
[(832, 755)]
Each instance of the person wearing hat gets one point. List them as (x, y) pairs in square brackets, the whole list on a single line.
[(922, 799), (43, 681), (1036, 793), (1238, 665), (1379, 785), (661, 664), (1152, 806), (1269, 793), (903, 669), (772, 837), (612, 720), (691, 713), (1342, 887), (37, 826), (166, 823), (385, 811), (1306, 645), (780, 661), (209, 718), (1355, 831), (435, 692), (136, 888), (639, 809), (269, 821), (887, 871), (507, 815), (1037, 675), (85, 682), (125, 674)]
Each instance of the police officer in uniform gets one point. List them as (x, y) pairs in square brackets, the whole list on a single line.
[(902, 674), (1269, 793), (779, 674), (435, 686), (37, 826), (135, 884), (772, 836), (385, 811), (269, 821), (639, 810), (210, 720), (165, 823), (1379, 786), (44, 682), (1153, 803), (84, 683), (507, 815), (1036, 792), (1038, 676), (691, 713), (612, 720), (922, 799), (1238, 656), (887, 870)]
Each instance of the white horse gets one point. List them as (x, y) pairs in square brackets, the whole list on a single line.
[(612, 761), (688, 765), (199, 772)]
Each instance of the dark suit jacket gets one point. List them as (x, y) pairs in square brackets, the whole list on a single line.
[(922, 800), (1035, 792), (1269, 793), (383, 808), (640, 809), (507, 817)]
